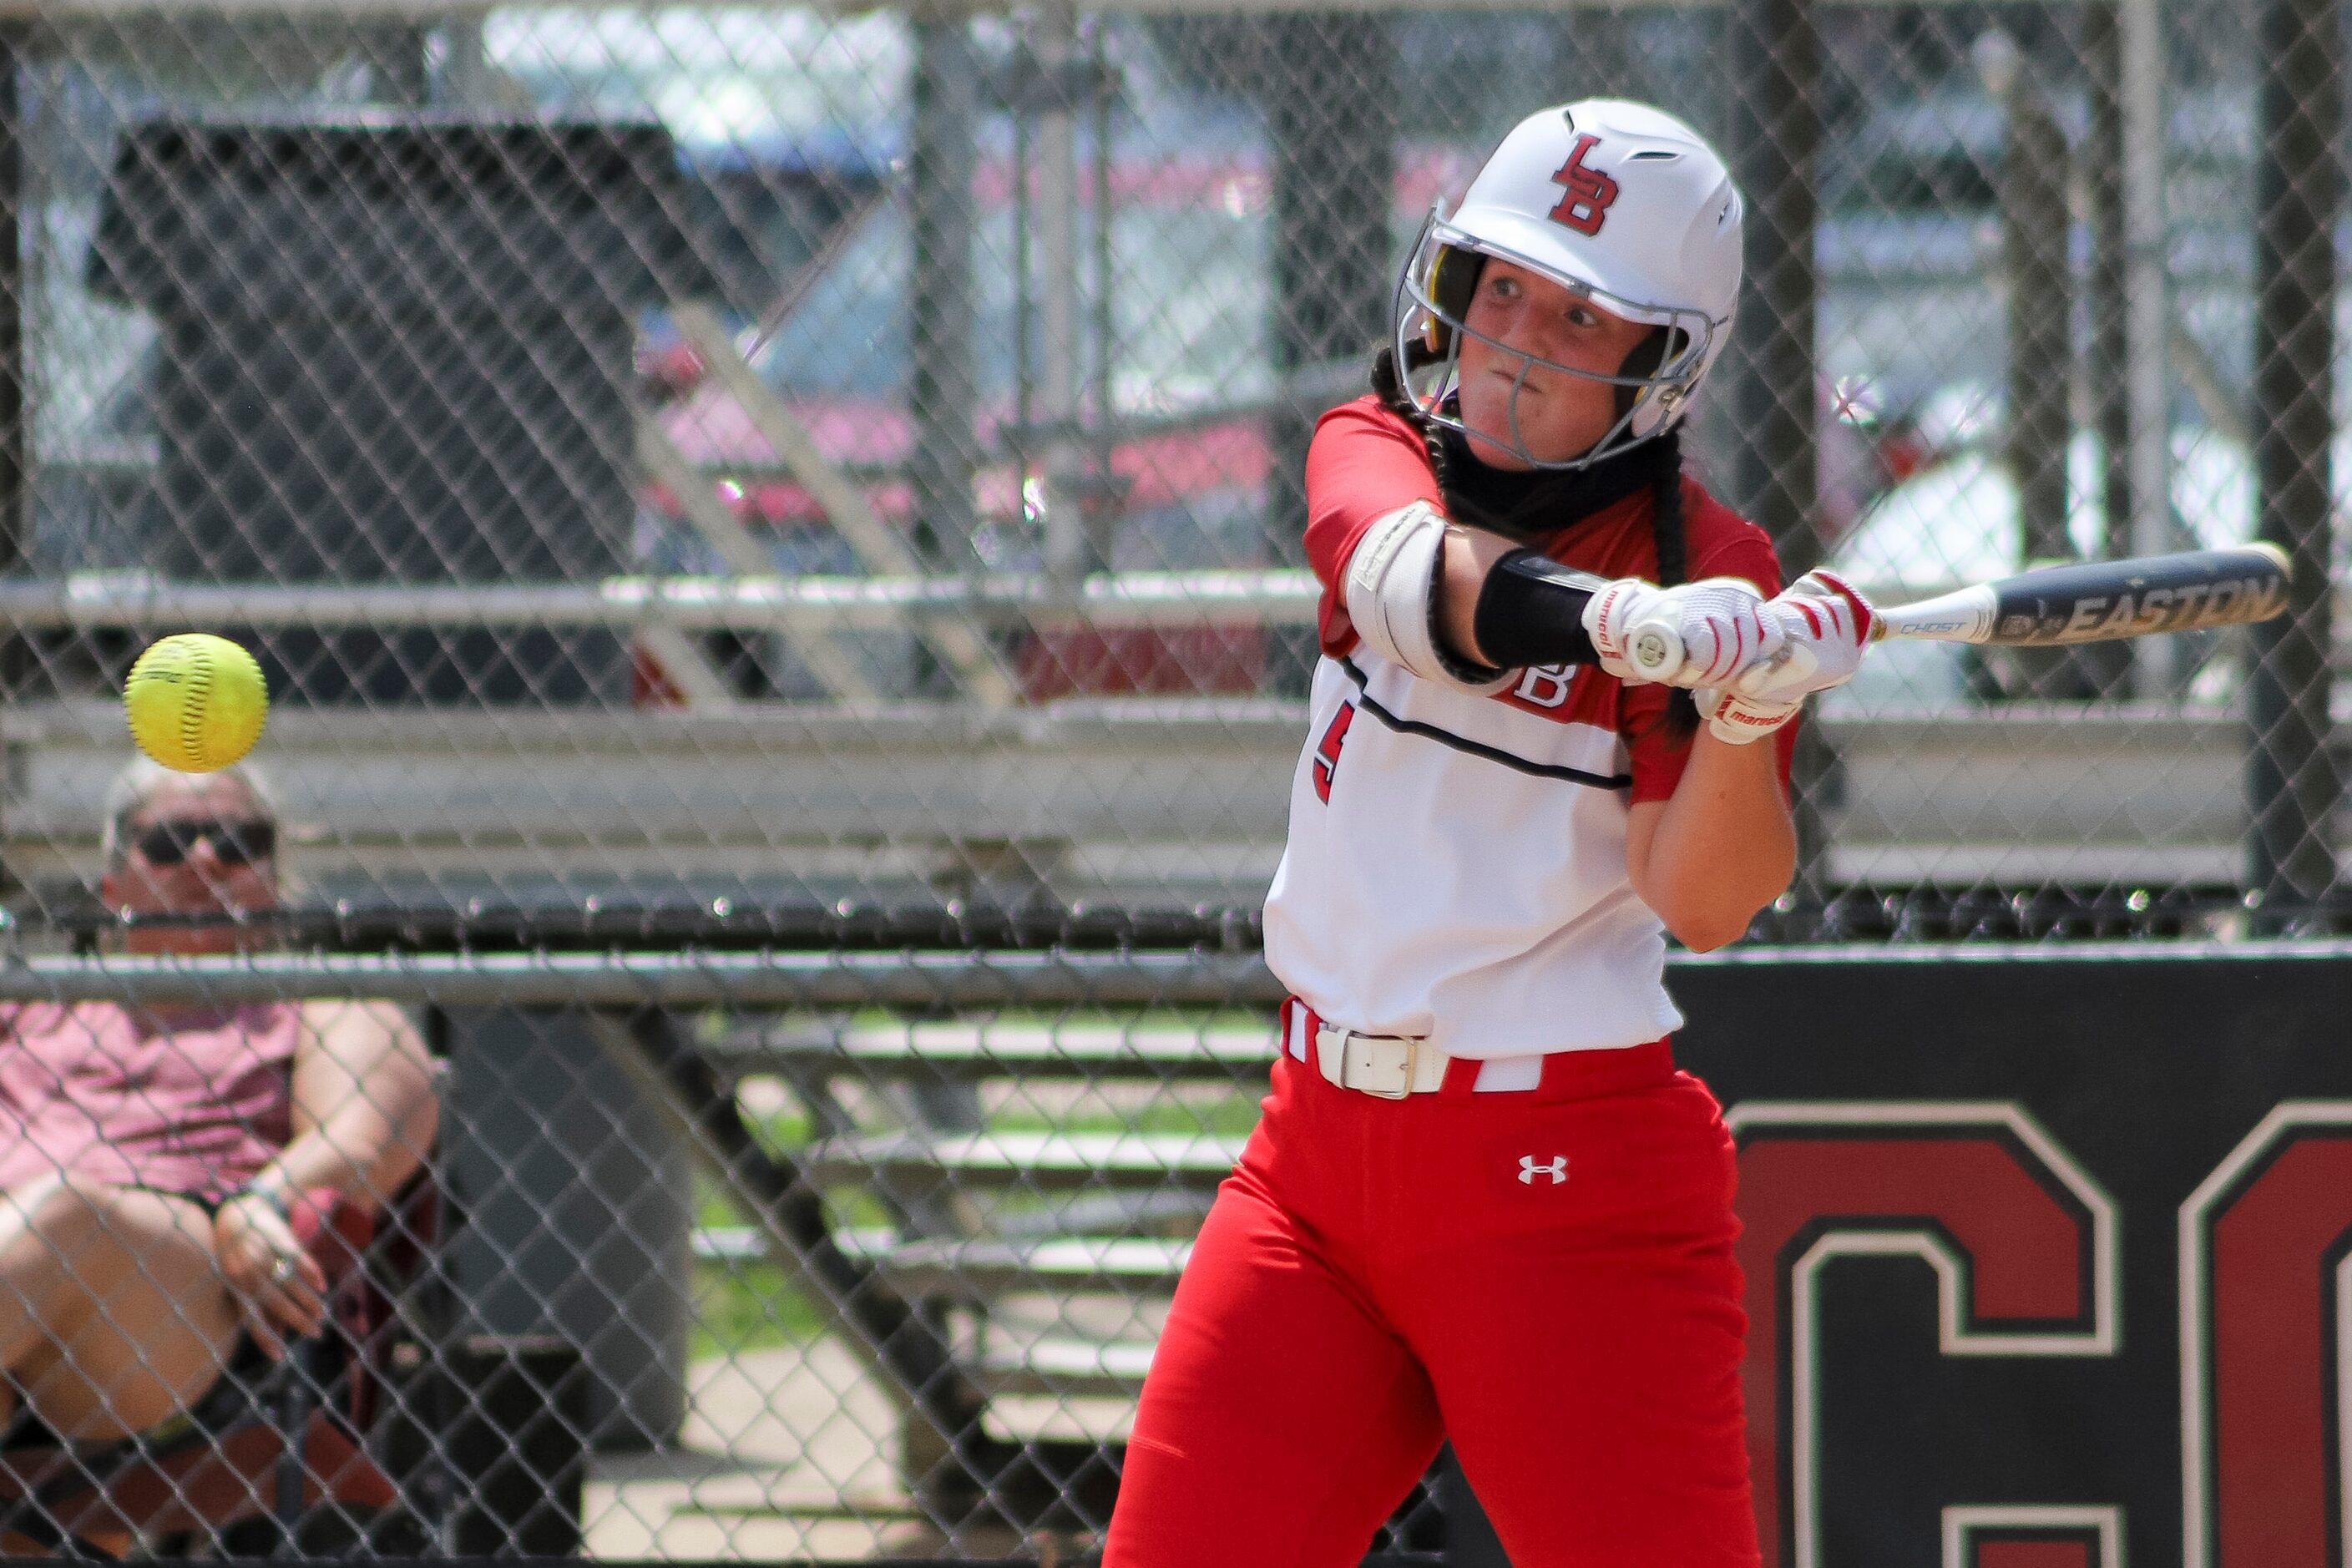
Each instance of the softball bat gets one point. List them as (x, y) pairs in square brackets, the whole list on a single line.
[(2089, 601)]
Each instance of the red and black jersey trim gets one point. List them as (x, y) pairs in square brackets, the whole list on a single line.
[(1365, 700)]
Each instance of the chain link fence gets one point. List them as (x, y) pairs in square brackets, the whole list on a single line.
[(774, 539)]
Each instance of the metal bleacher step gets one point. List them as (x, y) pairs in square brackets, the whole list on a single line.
[(985, 1050), (1039, 1160), (982, 1270), (1066, 1367), (1150, 1211)]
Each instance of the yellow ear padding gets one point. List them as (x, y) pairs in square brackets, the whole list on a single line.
[(1451, 284)]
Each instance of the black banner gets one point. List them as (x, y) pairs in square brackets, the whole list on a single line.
[(2049, 1254)]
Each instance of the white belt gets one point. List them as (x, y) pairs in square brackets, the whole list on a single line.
[(1390, 1067)]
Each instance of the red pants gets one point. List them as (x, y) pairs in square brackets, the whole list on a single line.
[(1545, 1277)]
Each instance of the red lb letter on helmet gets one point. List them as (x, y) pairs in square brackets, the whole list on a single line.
[(1589, 192)]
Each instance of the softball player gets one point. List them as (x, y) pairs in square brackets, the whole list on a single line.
[(1482, 1203)]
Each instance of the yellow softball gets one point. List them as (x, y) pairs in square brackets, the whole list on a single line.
[(196, 702)]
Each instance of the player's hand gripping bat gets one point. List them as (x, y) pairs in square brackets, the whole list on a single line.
[(2095, 601)]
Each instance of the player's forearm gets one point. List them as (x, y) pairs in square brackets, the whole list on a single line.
[(1721, 849), (1470, 553)]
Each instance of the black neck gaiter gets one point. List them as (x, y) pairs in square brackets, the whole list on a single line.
[(1527, 505)]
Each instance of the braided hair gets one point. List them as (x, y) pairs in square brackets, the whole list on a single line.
[(1667, 538), (1388, 385), (1671, 545)]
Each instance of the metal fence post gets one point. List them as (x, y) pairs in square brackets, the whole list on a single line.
[(1071, 551), (1772, 133), (1334, 165), (18, 663), (2036, 167), (942, 382), (2102, 168), (1773, 136), (2033, 169), (2291, 784), (15, 430), (2144, 67)]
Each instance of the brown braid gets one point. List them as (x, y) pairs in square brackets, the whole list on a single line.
[(1668, 540), (1388, 387)]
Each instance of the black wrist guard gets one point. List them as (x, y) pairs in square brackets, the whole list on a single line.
[(1530, 611)]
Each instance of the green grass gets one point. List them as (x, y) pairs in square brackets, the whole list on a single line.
[(1234, 1116), (756, 1304), (751, 1303), (750, 1306)]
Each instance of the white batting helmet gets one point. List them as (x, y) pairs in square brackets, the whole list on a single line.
[(1618, 202)]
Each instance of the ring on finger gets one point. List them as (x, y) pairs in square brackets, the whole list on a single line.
[(282, 1271)]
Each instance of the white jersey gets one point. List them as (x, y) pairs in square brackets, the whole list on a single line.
[(1456, 865)]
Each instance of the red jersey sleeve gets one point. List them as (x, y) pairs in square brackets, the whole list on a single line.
[(1362, 464), (1721, 546)]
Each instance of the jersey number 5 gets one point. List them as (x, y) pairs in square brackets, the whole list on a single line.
[(1589, 192), (1326, 750)]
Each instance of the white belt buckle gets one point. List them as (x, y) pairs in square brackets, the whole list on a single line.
[(1402, 1055)]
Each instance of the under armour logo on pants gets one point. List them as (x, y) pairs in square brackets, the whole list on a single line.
[(1556, 1170)]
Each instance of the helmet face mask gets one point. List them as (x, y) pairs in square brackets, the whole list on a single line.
[(1648, 230)]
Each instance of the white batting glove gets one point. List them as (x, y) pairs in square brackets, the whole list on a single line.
[(1720, 620), (1824, 624)]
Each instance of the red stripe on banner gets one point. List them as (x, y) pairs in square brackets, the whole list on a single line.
[(2025, 1250), (2014, 1553), (2269, 1329)]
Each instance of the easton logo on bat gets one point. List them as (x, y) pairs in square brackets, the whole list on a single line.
[(2097, 618)]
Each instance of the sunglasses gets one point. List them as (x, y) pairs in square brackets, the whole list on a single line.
[(235, 843)]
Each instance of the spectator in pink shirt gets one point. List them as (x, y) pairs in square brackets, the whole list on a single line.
[(151, 1155)]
